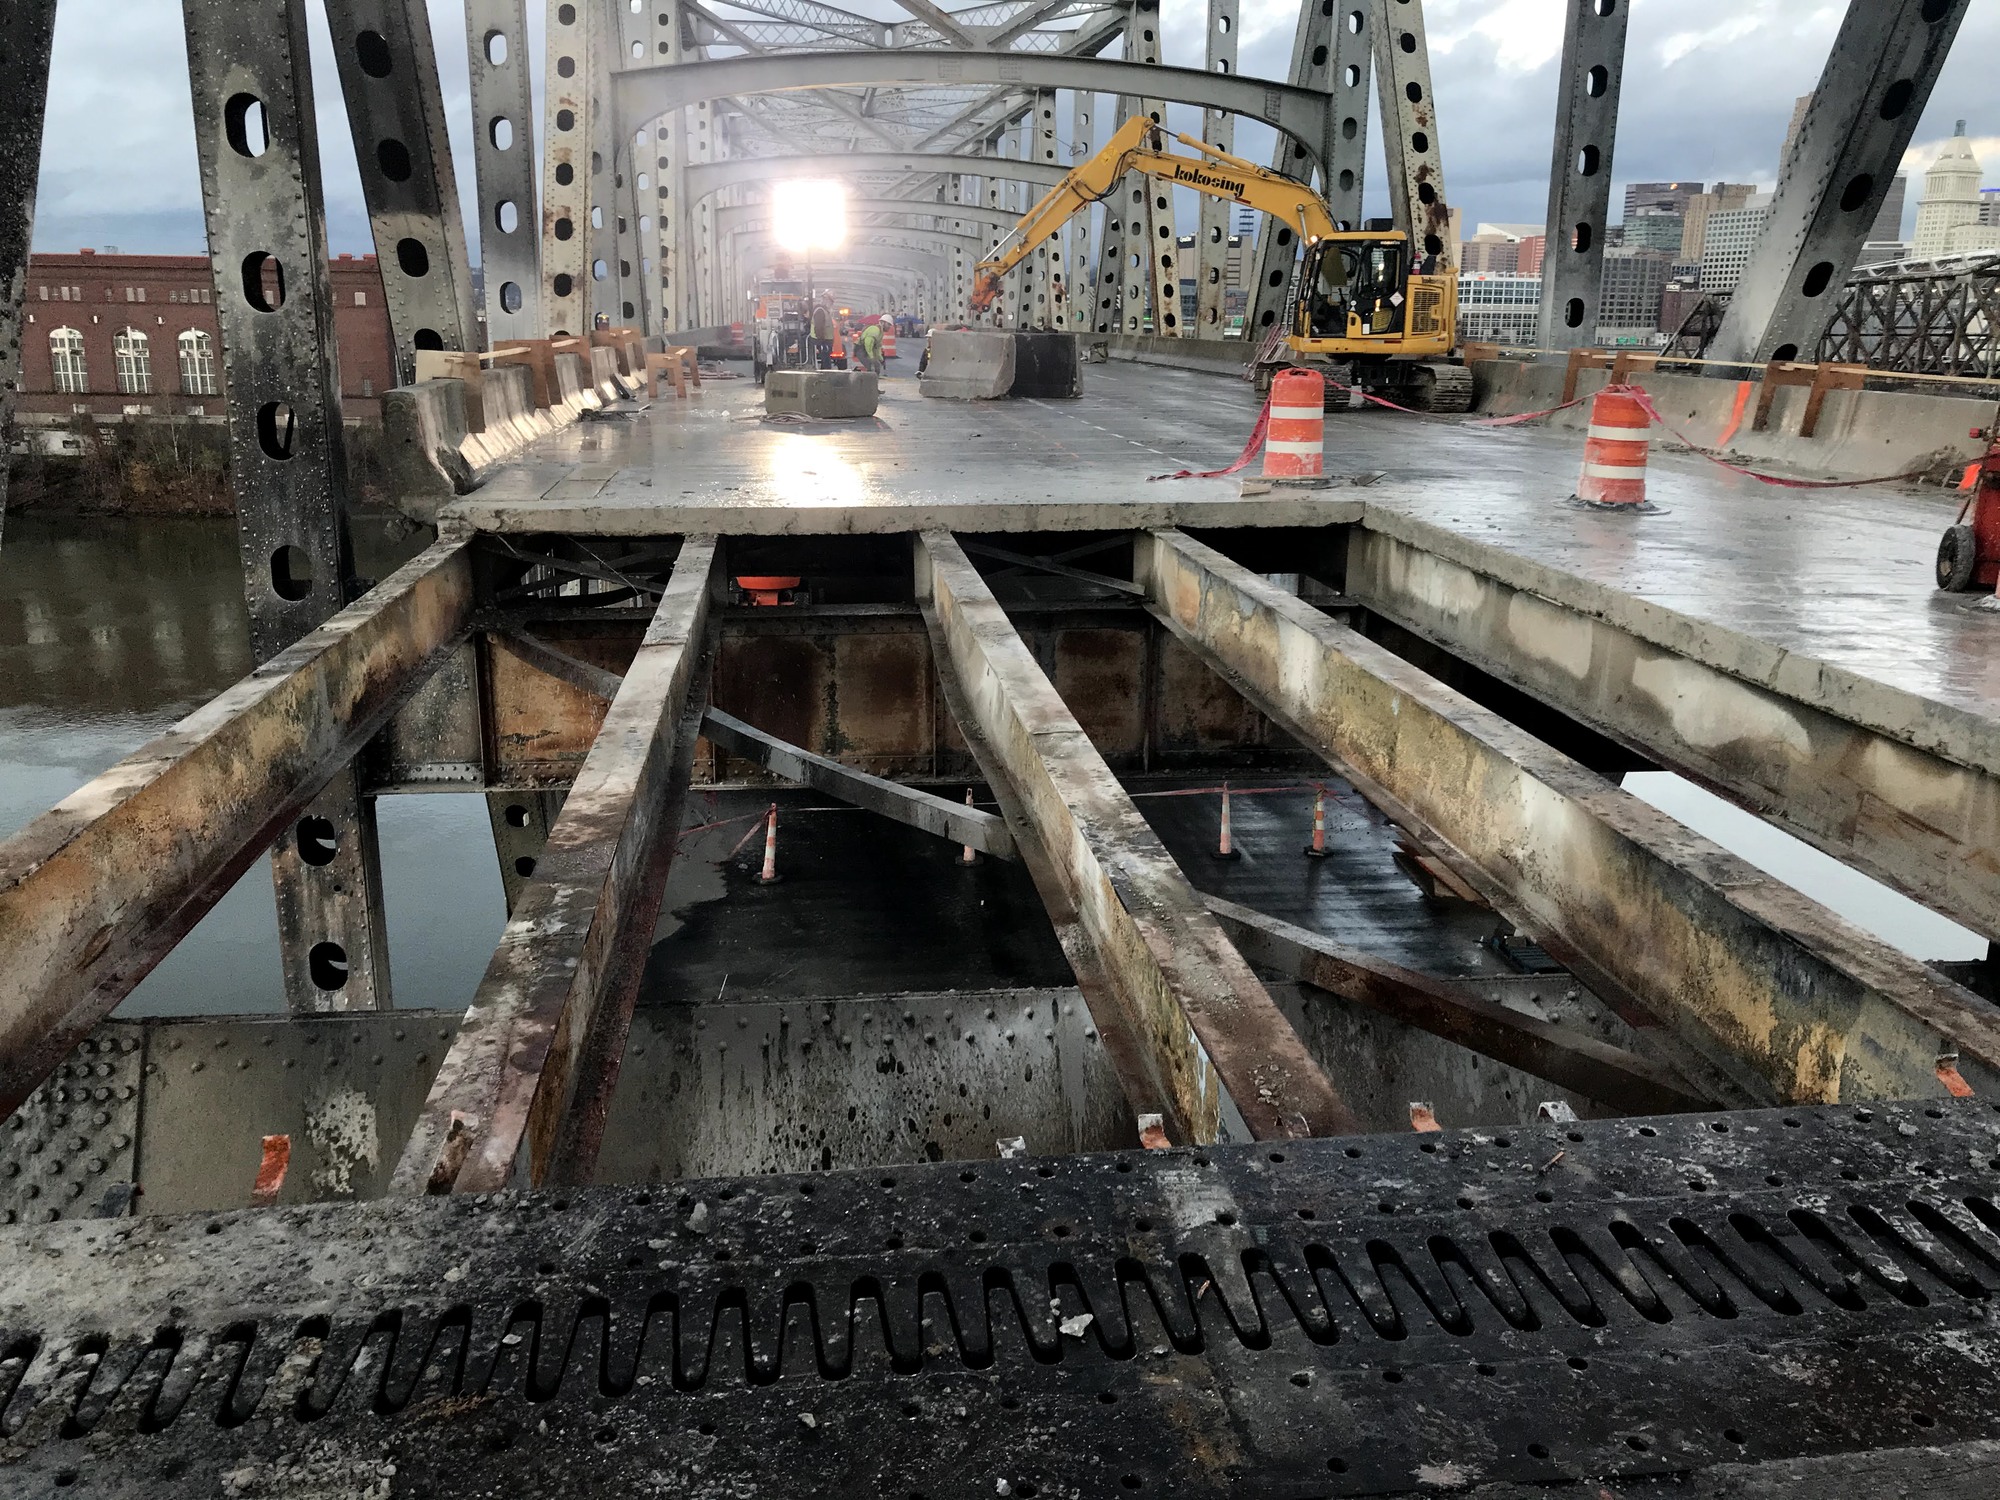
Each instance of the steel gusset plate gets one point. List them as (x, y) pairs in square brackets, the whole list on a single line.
[(1367, 1315)]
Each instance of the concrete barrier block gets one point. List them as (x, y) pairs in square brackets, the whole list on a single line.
[(572, 388), (604, 374), (968, 364), (1048, 365), (821, 393), (423, 430)]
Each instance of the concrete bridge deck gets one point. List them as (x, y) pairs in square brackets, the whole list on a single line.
[(1780, 586)]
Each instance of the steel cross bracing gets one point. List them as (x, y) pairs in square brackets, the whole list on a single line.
[(1928, 319), (1651, 1306)]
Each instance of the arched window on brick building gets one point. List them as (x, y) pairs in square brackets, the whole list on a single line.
[(66, 355), (135, 362), (198, 364)]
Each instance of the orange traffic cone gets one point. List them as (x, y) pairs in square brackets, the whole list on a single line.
[(1223, 848), (967, 854), (770, 874), (1317, 848)]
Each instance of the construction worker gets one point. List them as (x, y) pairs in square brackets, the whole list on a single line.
[(871, 347), (822, 336)]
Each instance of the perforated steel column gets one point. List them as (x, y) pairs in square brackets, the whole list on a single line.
[(1050, 274), (1409, 130), (27, 28), (630, 167), (1082, 289), (669, 194), (1593, 71), (395, 112), (504, 160), (1218, 128), (1330, 50), (1158, 279), (1878, 77), (606, 304), (567, 137), (256, 140)]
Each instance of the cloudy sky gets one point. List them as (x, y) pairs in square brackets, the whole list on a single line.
[(1709, 86)]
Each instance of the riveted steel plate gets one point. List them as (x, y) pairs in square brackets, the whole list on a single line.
[(813, 1084), (68, 1151), (1625, 1302)]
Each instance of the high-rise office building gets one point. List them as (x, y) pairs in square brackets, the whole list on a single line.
[(1948, 218), (1665, 197), (1629, 294), (1694, 224), (1654, 229), (1503, 309), (1727, 241), (1488, 254)]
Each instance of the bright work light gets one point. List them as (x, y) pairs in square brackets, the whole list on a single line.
[(811, 214)]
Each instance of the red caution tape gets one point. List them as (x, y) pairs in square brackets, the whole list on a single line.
[(1354, 390), (1526, 416), (1242, 459), (1781, 481)]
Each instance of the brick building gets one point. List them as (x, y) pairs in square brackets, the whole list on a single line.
[(136, 335)]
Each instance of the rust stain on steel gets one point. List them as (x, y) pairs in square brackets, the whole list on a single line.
[(881, 700), (540, 726), (1745, 968), (1198, 711), (1097, 671), (1205, 1019), (778, 683), (96, 891), (511, 1071)]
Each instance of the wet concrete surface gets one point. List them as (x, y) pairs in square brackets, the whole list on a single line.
[(1838, 576)]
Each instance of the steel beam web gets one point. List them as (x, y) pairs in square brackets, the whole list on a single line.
[(505, 165), (1409, 130), (1332, 51), (258, 147), (395, 111), (570, 959), (1593, 72), (568, 138), (1878, 77)]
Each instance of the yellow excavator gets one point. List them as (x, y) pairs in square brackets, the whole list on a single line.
[(1362, 310)]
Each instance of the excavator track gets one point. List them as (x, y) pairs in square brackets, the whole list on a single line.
[(1441, 387)]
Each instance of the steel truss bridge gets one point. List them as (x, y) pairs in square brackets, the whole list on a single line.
[(1762, 1267)]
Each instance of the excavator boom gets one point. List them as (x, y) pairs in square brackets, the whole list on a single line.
[(1216, 173)]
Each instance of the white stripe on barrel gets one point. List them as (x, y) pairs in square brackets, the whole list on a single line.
[(1295, 443)]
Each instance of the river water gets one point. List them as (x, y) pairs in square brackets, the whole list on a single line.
[(111, 629)]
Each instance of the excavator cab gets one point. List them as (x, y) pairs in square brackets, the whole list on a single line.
[(1363, 306), (1355, 288)]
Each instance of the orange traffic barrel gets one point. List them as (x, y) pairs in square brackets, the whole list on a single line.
[(1614, 452), (888, 339), (1297, 438)]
